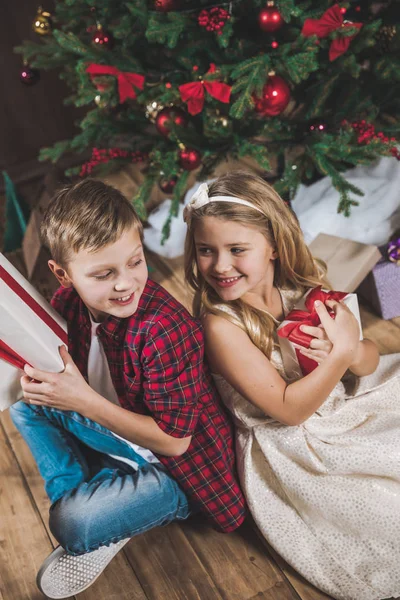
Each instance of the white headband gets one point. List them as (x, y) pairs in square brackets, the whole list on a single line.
[(201, 198)]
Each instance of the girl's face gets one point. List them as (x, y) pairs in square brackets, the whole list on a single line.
[(234, 259)]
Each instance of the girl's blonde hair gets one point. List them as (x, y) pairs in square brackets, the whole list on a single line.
[(295, 267)]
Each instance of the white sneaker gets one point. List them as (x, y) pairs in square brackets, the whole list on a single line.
[(63, 575)]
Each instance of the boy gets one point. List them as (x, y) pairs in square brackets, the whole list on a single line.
[(131, 434)]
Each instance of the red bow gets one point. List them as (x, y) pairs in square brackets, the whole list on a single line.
[(193, 92), (331, 20), (126, 81), (310, 317)]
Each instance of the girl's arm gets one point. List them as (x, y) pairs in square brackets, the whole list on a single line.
[(367, 355), (367, 358), (246, 368)]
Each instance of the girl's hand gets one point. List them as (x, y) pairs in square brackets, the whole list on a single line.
[(66, 391), (320, 346), (343, 331)]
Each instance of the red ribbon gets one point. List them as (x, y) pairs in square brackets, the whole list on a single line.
[(126, 81), (7, 353), (341, 44), (309, 317), (331, 20), (193, 92)]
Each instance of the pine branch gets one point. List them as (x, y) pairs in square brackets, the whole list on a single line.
[(288, 9), (249, 76), (257, 151), (179, 190), (55, 152), (166, 31), (140, 198), (70, 43), (325, 166), (301, 65)]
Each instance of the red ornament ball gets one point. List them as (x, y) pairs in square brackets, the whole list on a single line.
[(275, 97), (189, 159), (29, 76), (167, 185), (170, 115), (270, 19), (166, 5), (103, 39)]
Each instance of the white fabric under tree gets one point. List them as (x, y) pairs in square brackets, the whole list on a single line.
[(373, 221)]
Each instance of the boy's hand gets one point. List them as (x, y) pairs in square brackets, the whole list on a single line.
[(320, 346), (65, 391)]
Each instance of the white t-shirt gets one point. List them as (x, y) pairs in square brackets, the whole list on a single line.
[(99, 378)]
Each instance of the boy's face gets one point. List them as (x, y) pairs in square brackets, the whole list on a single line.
[(110, 280)]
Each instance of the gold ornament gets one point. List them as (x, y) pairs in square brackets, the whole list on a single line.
[(217, 125), (100, 101), (42, 23), (385, 36), (152, 111)]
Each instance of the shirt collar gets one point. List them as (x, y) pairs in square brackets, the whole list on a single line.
[(114, 327)]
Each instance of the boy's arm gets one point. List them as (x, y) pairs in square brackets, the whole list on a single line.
[(172, 360), (173, 367), (139, 429), (70, 391)]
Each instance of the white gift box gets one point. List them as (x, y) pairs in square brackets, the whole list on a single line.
[(290, 349), (30, 327)]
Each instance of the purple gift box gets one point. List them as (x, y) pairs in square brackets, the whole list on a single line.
[(381, 287)]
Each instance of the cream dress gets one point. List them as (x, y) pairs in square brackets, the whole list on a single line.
[(326, 494)]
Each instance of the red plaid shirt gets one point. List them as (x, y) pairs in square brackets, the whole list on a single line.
[(156, 365)]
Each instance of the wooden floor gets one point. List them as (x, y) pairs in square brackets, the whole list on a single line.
[(189, 561)]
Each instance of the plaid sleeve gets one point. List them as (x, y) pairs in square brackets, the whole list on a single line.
[(173, 372), (57, 301)]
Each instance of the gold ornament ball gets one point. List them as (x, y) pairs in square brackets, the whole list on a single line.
[(100, 101), (152, 111), (42, 23)]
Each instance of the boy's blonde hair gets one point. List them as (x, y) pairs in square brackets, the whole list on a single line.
[(295, 267), (87, 215)]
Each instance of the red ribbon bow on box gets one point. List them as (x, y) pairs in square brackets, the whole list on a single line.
[(126, 81), (193, 92), (331, 20), (310, 317)]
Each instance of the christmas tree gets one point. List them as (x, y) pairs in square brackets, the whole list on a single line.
[(307, 89)]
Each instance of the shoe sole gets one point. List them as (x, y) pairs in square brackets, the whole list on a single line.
[(59, 551)]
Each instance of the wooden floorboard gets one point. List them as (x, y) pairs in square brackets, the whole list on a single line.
[(187, 561)]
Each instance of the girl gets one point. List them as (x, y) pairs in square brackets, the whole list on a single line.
[(318, 458)]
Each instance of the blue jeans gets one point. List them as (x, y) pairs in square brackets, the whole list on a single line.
[(96, 499)]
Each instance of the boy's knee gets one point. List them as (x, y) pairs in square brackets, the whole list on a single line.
[(68, 522)]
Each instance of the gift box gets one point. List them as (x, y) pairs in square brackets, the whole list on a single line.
[(381, 288), (348, 262), (31, 331), (292, 339)]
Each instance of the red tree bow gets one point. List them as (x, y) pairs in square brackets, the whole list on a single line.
[(126, 81), (331, 20), (193, 92), (297, 318)]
